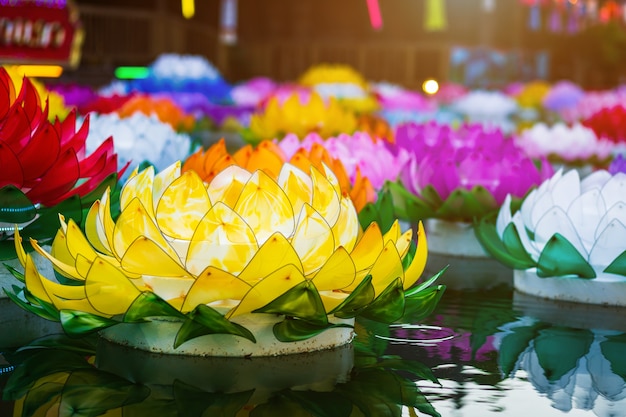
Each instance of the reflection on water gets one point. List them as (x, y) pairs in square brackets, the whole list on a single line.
[(494, 352)]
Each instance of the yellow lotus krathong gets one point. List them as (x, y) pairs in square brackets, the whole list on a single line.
[(215, 256)]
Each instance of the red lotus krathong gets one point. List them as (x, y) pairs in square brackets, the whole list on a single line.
[(45, 169)]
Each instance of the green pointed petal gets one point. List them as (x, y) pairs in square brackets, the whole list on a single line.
[(148, 304), (204, 320), (514, 344), (417, 368), (423, 285), (381, 212), (44, 311), (302, 301), (76, 323), (514, 246), (362, 295), (559, 350), (618, 266), (487, 235), (293, 330), (191, 401), (431, 196), (463, 205), (409, 206), (388, 306), (17, 274), (15, 207), (559, 257), (420, 305)]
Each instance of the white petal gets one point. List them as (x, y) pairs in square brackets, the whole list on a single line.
[(617, 211), (504, 216), (556, 221), (596, 179), (530, 246), (585, 213), (609, 245), (614, 190), (566, 189)]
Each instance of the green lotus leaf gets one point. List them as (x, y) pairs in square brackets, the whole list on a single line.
[(613, 350), (204, 320), (513, 245), (560, 349), (559, 257), (408, 206), (83, 346), (15, 207), (486, 233), (466, 205), (293, 330), (302, 301), (148, 304), (618, 266), (417, 368), (17, 274), (514, 344), (431, 196), (380, 212), (36, 306), (193, 402), (486, 200), (90, 392), (41, 395), (358, 299), (425, 284), (327, 404), (388, 306), (420, 305), (78, 323)]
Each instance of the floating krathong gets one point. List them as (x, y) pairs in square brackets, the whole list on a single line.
[(270, 158), (566, 241), (139, 139), (234, 267), (300, 117), (45, 167), (492, 109), (163, 108)]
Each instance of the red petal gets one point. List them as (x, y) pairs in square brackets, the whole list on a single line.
[(59, 179), (15, 131), (7, 92), (40, 153), (11, 172)]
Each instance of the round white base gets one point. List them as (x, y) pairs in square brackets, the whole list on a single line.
[(453, 238), (7, 280), (158, 336), (606, 289)]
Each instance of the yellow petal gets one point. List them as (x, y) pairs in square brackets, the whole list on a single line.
[(403, 244), (332, 299), (368, 248), (337, 273), (33, 280), (145, 257), (76, 242), (172, 290), (94, 230), (223, 240), (268, 289), (387, 268), (226, 186), (275, 253), (393, 233), (297, 185), (265, 207), (140, 187), (325, 199), (64, 269), (163, 179), (133, 223), (212, 285), (182, 206), (313, 239), (19, 249), (106, 221), (332, 178), (347, 226), (109, 291), (415, 270)]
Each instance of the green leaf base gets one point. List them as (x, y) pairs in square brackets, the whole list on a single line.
[(606, 289), (159, 335)]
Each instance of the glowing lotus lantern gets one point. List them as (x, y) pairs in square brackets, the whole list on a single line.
[(270, 158), (574, 145), (609, 123), (184, 74), (490, 108), (566, 240), (238, 266), (343, 83), (45, 168), (455, 177), (562, 96), (162, 107), (300, 118), (139, 139)]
